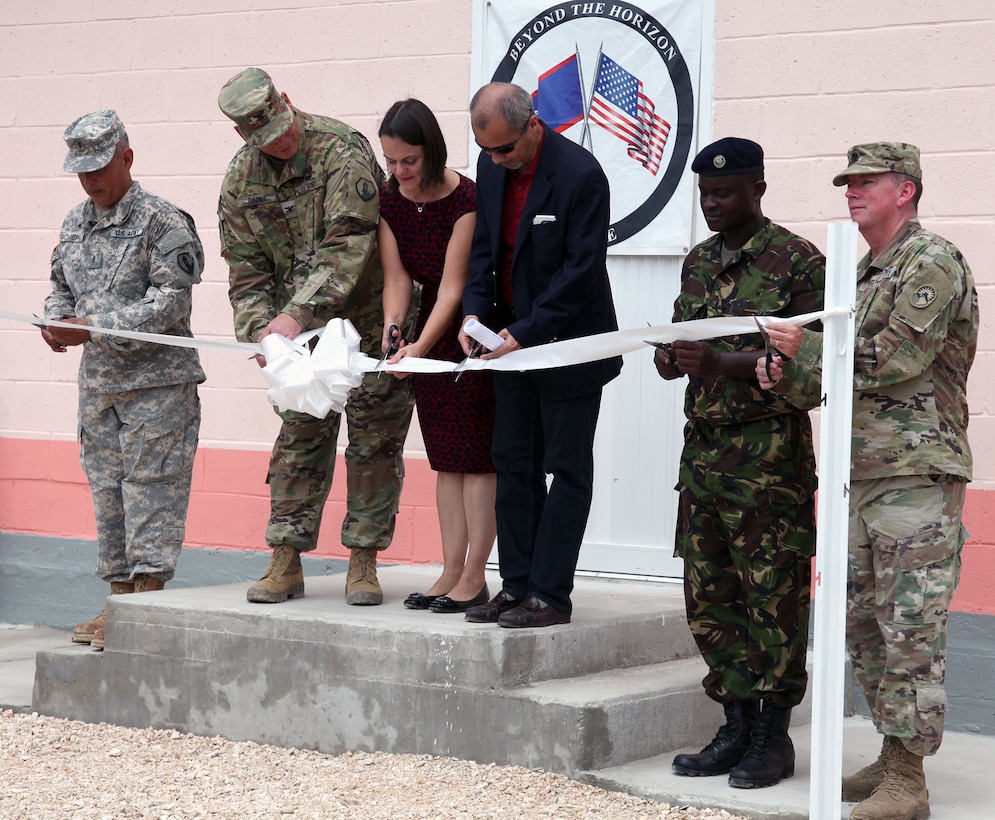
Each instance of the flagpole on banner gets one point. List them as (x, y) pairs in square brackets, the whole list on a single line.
[(585, 134), (829, 583), (590, 97)]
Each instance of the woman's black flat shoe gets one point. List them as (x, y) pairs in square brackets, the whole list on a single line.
[(448, 606), (418, 601)]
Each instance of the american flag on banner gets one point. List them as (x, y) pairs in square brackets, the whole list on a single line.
[(620, 107)]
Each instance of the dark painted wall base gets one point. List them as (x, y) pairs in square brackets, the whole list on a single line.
[(970, 665), (50, 581)]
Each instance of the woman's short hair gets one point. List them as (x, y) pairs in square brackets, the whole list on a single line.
[(413, 122)]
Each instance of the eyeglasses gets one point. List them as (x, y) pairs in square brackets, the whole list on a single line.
[(508, 147)]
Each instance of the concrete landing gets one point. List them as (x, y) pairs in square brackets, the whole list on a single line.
[(19, 643)]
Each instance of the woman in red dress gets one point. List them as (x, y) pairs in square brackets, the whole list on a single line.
[(427, 216)]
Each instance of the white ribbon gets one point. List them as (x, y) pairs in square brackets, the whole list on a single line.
[(318, 381)]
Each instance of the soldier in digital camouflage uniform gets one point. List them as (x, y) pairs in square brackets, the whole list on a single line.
[(298, 215), (916, 335), (127, 260), (745, 528)]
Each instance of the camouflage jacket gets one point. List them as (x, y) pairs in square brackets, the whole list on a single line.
[(775, 274), (131, 269), (916, 335), (300, 237)]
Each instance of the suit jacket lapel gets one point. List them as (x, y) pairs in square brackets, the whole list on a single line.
[(542, 185)]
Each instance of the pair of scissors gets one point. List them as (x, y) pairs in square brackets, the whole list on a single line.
[(771, 351), (475, 349), (392, 347)]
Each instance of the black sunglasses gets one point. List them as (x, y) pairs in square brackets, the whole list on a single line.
[(508, 147)]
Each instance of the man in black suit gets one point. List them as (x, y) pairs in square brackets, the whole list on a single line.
[(537, 272)]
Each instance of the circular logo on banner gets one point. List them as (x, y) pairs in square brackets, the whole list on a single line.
[(611, 77)]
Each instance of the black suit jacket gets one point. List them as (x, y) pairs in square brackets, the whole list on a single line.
[(559, 278)]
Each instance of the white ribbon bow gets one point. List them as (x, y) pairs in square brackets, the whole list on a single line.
[(315, 382)]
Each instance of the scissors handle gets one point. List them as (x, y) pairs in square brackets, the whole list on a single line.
[(392, 342)]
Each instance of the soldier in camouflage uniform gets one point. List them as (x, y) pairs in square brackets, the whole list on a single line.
[(128, 260), (916, 335), (745, 527), (298, 217)]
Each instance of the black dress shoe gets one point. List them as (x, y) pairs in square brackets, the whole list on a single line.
[(418, 601), (447, 605), (532, 612), (488, 613)]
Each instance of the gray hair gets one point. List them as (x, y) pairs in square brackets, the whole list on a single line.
[(510, 102)]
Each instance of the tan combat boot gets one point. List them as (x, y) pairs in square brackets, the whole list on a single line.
[(860, 785), (142, 583), (902, 794), (361, 585), (283, 579), (148, 583), (84, 632)]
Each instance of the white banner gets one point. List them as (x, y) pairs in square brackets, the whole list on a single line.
[(621, 79)]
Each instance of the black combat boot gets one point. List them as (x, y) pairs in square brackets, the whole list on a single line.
[(771, 755), (730, 743)]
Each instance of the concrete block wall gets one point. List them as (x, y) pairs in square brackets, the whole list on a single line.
[(161, 67), (808, 80)]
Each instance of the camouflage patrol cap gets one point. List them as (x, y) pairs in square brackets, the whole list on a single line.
[(881, 158), (92, 140), (728, 157), (252, 102)]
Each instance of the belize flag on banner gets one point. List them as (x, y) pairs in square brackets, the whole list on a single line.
[(559, 100), (620, 106)]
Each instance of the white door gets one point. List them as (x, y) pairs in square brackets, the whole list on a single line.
[(631, 528)]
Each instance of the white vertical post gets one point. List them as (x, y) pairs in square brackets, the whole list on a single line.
[(829, 583)]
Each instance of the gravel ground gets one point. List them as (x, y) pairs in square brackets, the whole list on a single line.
[(55, 768)]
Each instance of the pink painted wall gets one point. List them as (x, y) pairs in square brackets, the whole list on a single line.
[(806, 79), (809, 79)]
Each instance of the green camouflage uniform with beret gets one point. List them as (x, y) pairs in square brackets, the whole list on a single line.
[(916, 335), (299, 238), (746, 527), (131, 268)]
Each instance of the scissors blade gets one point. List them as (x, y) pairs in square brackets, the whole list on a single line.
[(768, 348), (474, 352), (391, 348)]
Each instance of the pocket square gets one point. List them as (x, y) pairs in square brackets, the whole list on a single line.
[(542, 219)]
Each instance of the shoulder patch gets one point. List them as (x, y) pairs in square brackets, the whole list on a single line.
[(923, 296), (925, 300), (366, 189)]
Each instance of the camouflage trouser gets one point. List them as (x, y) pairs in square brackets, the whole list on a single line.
[(746, 532), (303, 462), (137, 450), (904, 563)]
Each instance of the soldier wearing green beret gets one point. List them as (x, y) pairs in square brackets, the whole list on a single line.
[(298, 217), (746, 521), (916, 335), (128, 260)]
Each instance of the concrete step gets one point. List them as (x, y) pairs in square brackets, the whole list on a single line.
[(957, 778), (616, 625), (619, 683)]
